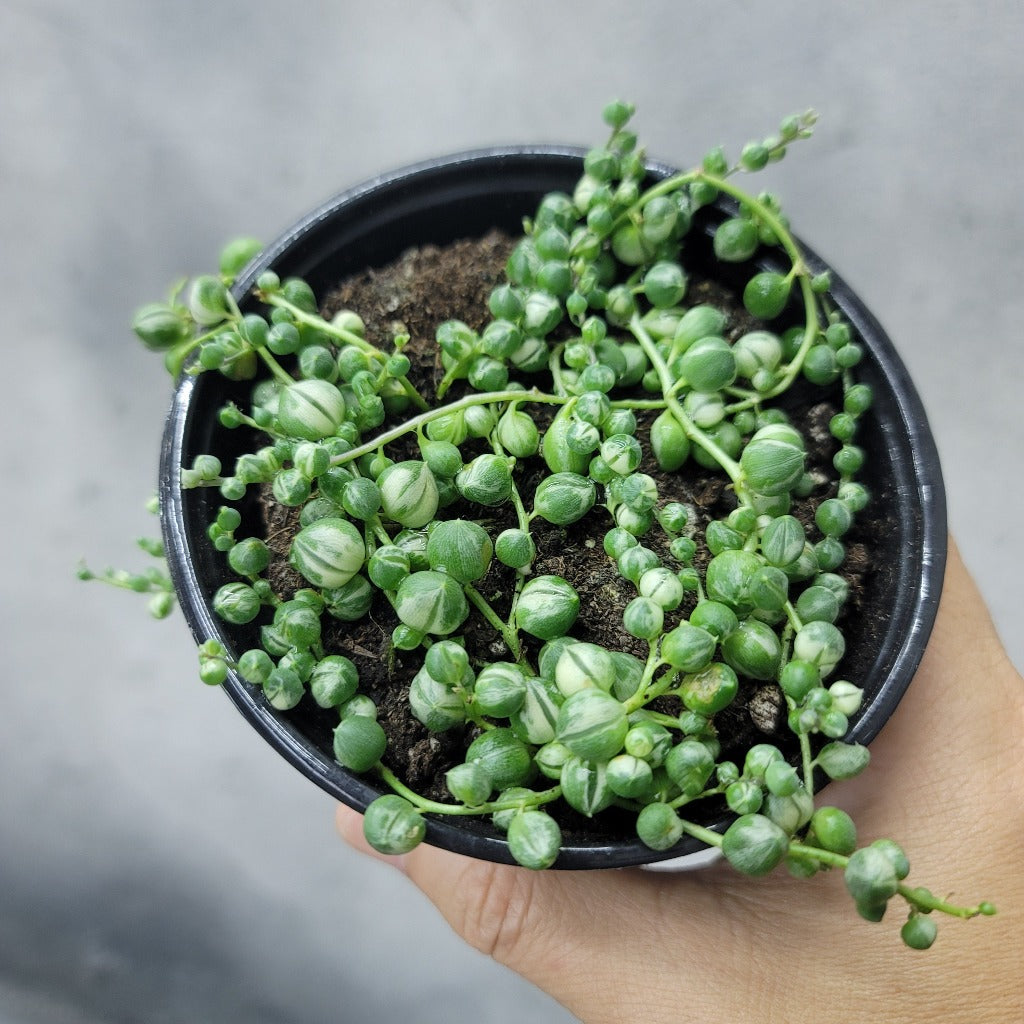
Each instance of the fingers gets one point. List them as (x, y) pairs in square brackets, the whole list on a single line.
[(946, 778), (563, 931), (963, 629), (965, 705), (627, 944), (490, 905)]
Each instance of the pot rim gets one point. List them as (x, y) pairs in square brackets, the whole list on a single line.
[(919, 485)]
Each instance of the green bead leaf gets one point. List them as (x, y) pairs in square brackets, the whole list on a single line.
[(388, 566), (160, 326), (392, 825), (659, 827), (669, 442), (431, 602), (333, 681), (582, 666), (547, 607), (919, 932), (504, 756), (821, 644), (469, 783), (236, 603), (585, 786), (209, 301), (772, 465), (437, 706), (558, 455), (592, 724), (664, 284), (448, 662), (328, 552), (460, 548), (701, 321), (500, 689), (408, 493), (736, 239), (870, 877), (515, 548), (359, 743), (709, 364), (754, 845), (689, 765), (729, 577), (534, 839), (688, 647), (310, 409), (834, 830), (564, 498), (643, 618), (518, 434), (766, 295), (536, 721), (840, 760), (349, 602), (710, 690), (629, 776), (487, 480), (236, 254), (753, 649)]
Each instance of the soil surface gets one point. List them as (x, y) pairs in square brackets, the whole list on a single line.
[(417, 292)]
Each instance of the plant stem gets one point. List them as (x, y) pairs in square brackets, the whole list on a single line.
[(921, 899), (454, 373), (275, 367), (669, 721), (705, 835), (317, 321), (466, 402), (682, 801), (806, 756), (638, 403), (555, 367), (436, 807), (668, 386), (508, 634), (799, 270), (781, 232), (795, 622), (523, 522), (346, 337), (377, 526), (648, 691)]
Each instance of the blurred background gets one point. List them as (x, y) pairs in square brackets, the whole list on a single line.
[(158, 862)]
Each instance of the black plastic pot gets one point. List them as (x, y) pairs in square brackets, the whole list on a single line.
[(464, 196)]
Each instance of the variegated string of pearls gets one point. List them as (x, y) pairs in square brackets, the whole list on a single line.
[(592, 324)]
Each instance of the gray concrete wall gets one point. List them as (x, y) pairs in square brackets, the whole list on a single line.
[(157, 862)]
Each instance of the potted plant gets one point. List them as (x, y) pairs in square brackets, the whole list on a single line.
[(620, 549)]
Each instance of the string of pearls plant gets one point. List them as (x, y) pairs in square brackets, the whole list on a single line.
[(592, 324)]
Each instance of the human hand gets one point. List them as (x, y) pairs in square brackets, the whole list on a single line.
[(945, 781)]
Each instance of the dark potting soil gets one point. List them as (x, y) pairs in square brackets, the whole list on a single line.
[(421, 289)]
